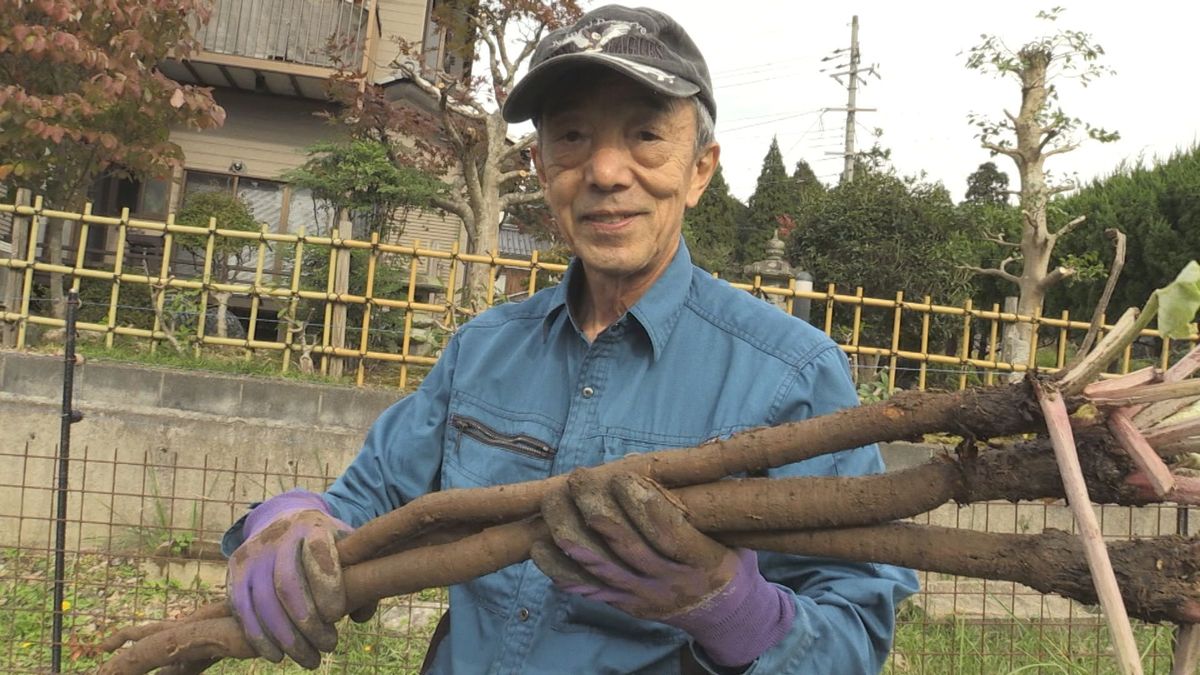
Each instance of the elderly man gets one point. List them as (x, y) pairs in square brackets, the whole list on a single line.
[(636, 350)]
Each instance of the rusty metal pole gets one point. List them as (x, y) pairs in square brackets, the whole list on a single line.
[(69, 416)]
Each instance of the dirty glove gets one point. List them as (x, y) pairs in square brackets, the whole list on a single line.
[(625, 541), (285, 580)]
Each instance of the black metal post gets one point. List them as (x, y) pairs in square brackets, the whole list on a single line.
[(69, 417)]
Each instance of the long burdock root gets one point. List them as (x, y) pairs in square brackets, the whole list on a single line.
[(406, 572), (1026, 471), (973, 413), (1157, 574)]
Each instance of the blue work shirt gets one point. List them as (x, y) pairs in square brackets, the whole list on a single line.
[(520, 394)]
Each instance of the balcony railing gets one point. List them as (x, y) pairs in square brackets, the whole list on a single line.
[(291, 31)]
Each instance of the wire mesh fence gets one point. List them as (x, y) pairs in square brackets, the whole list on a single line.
[(143, 545)]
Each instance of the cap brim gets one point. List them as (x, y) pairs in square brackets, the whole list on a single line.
[(525, 100)]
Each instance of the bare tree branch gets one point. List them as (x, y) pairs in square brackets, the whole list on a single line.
[(511, 175), (456, 206), (501, 32), (1060, 149), (526, 52), (1001, 271), (439, 93), (1066, 229), (1000, 149), (484, 29), (514, 150), (517, 198), (1059, 189), (999, 239), (1056, 275), (1114, 272)]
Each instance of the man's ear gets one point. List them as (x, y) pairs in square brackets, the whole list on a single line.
[(538, 168), (706, 166)]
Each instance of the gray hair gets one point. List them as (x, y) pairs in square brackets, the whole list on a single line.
[(705, 126)]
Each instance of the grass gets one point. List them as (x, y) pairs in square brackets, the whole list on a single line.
[(229, 360), (958, 647), (105, 592)]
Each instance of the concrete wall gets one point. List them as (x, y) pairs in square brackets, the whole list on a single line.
[(160, 447)]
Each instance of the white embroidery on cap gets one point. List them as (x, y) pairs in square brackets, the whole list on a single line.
[(588, 40), (656, 73)]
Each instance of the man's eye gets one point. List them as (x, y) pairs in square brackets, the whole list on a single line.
[(571, 136), (647, 135)]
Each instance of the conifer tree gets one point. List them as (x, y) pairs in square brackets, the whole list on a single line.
[(775, 195), (711, 228)]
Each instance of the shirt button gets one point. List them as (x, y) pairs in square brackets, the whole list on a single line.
[(588, 392), (523, 614)]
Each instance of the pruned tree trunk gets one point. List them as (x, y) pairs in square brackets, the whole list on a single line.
[(1037, 241), (222, 299), (485, 201), (52, 245)]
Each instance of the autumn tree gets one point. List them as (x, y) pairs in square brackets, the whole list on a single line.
[(1038, 130), (81, 95), (465, 139)]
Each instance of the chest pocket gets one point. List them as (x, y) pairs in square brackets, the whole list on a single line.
[(485, 448)]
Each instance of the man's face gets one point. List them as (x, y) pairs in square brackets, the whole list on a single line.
[(618, 165)]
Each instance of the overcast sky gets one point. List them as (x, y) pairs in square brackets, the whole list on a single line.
[(765, 58)]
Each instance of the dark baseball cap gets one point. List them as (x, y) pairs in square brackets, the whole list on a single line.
[(643, 44)]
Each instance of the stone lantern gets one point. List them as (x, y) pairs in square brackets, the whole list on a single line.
[(775, 271)]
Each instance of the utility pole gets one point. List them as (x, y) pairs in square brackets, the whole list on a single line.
[(852, 88), (852, 72)]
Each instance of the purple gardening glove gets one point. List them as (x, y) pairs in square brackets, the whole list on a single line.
[(625, 541), (285, 580)]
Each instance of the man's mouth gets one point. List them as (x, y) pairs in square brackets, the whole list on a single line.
[(610, 220)]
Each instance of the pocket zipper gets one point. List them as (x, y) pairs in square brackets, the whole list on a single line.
[(520, 443)]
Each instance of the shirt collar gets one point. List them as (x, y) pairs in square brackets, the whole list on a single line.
[(657, 311)]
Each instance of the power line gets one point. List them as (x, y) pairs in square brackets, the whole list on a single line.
[(771, 121), (766, 65)]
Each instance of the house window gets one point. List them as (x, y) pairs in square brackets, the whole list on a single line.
[(153, 198), (263, 197), (196, 182), (316, 216)]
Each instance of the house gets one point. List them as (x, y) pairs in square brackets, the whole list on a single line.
[(268, 63)]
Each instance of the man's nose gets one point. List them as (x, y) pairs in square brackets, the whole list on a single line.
[(609, 167)]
